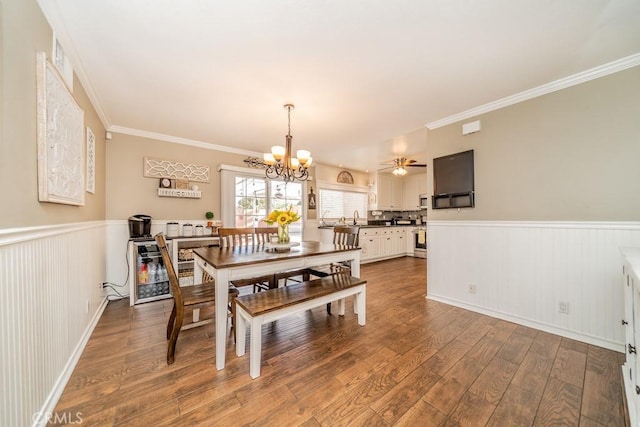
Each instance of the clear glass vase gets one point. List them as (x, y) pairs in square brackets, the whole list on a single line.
[(283, 233)]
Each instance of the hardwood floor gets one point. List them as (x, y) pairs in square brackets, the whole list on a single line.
[(416, 362)]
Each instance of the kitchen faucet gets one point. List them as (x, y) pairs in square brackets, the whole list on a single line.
[(356, 214), (322, 218)]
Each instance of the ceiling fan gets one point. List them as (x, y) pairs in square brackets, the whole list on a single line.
[(400, 165)]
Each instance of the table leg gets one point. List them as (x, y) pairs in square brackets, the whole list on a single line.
[(355, 272), (256, 347), (221, 278), (360, 300), (197, 279), (241, 331), (341, 304)]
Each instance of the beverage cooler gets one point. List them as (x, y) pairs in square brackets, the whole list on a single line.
[(149, 279)]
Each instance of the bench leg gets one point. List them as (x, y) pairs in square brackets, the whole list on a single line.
[(241, 331), (256, 347), (360, 302)]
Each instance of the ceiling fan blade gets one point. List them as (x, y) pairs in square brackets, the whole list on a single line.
[(417, 165)]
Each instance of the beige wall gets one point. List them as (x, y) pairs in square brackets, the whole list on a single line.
[(25, 32), (330, 174), (129, 192), (572, 155)]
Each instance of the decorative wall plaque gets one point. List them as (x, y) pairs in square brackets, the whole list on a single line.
[(345, 177), (60, 126), (156, 168)]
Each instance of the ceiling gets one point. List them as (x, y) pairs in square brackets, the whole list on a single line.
[(365, 76)]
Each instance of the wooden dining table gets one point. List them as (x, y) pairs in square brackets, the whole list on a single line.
[(227, 264)]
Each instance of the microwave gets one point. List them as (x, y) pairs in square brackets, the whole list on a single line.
[(423, 201)]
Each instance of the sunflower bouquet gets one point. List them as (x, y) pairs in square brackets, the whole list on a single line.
[(283, 219)]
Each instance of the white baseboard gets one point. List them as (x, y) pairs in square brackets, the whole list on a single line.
[(50, 403), (615, 346)]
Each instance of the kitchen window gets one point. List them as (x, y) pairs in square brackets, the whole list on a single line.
[(335, 204)]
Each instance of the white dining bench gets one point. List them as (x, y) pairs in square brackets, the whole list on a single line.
[(265, 307)]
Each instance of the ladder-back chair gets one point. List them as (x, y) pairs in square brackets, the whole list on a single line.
[(231, 237), (244, 238), (188, 296), (265, 234), (348, 235)]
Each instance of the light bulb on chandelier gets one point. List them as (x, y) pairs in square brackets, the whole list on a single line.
[(281, 164)]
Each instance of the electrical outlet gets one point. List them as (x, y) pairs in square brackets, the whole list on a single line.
[(563, 307), (472, 288)]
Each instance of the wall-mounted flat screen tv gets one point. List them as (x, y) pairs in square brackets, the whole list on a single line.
[(453, 183)]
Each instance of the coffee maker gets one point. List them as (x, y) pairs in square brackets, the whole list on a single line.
[(140, 227)]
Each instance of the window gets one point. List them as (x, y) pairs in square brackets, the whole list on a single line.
[(250, 201), (335, 204), (254, 197)]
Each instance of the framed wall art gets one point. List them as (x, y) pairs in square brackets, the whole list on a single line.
[(91, 162), (60, 126)]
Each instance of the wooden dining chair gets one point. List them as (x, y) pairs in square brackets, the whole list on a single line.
[(188, 296), (348, 235), (265, 234), (231, 237)]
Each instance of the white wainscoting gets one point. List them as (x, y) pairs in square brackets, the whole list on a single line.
[(51, 297), (523, 270)]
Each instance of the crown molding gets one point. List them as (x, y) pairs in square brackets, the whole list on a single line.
[(582, 77), (52, 15), (183, 141)]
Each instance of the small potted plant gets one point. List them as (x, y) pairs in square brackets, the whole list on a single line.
[(209, 216)]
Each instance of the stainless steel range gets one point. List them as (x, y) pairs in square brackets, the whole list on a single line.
[(420, 242)]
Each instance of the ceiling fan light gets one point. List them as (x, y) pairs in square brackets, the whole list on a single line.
[(399, 171)]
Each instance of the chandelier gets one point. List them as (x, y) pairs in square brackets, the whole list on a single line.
[(280, 164)]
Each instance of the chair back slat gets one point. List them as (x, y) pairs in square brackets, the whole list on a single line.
[(264, 234), (346, 235), (171, 272), (231, 237)]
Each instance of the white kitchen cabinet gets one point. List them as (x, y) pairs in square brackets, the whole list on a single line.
[(631, 323), (389, 189), (399, 242), (409, 236), (382, 242), (412, 187), (370, 244), (386, 244)]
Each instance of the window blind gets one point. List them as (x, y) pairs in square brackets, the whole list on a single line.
[(337, 204)]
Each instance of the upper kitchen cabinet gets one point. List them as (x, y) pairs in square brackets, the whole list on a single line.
[(413, 186), (389, 192)]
